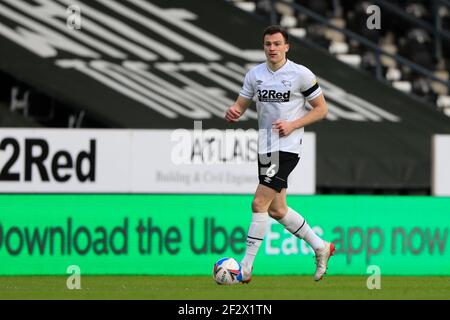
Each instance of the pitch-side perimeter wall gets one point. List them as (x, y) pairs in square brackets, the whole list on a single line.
[(140, 161), (186, 234), (441, 165)]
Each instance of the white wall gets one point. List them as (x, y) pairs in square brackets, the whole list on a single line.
[(441, 165), (139, 161)]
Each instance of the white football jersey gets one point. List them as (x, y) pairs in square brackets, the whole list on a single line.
[(280, 95)]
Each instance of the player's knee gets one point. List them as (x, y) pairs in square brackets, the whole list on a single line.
[(278, 212), (259, 205)]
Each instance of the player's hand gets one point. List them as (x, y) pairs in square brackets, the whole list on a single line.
[(284, 127), (232, 114)]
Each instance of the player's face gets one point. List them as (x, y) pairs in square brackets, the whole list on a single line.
[(275, 48)]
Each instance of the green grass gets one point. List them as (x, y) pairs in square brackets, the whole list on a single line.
[(203, 287)]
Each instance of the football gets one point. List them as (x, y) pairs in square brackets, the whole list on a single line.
[(227, 271)]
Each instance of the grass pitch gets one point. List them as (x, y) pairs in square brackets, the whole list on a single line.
[(204, 288)]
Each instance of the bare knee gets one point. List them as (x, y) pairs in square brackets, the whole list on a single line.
[(278, 212), (259, 204)]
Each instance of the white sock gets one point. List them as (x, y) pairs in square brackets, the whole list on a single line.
[(255, 236), (298, 226)]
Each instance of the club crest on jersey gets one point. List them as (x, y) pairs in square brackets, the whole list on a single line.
[(286, 83), (273, 96)]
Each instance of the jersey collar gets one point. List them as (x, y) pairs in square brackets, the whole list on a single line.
[(282, 67)]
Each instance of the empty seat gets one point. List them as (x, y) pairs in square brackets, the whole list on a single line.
[(351, 59), (404, 86), (393, 74), (338, 47), (438, 87)]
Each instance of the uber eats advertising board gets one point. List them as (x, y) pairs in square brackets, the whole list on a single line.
[(186, 234)]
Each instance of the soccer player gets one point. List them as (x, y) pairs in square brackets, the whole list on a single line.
[(281, 88)]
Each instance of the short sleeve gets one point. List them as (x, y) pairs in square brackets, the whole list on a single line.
[(309, 86), (247, 90)]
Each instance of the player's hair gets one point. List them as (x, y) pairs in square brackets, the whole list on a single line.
[(276, 29)]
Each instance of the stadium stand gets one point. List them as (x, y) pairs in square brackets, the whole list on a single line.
[(23, 105), (10, 119), (414, 31), (146, 65)]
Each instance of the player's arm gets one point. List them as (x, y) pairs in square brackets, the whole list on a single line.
[(318, 112), (234, 112), (243, 100)]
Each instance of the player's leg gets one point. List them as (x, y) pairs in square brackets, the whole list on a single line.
[(257, 230), (297, 225), (268, 187), (293, 221)]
